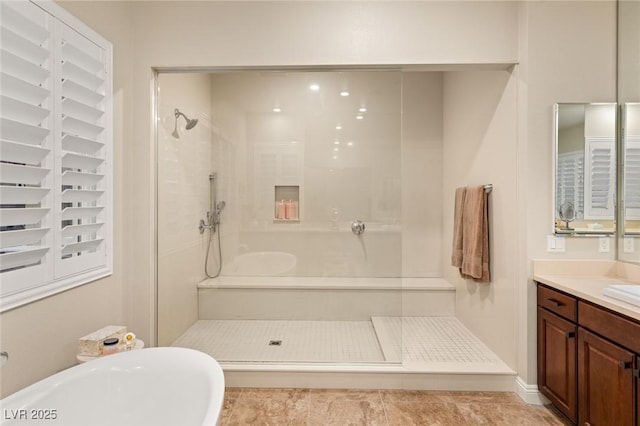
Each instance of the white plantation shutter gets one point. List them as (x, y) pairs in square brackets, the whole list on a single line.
[(55, 148), (632, 177), (26, 143), (600, 178), (82, 134)]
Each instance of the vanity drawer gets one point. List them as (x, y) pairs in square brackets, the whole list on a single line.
[(614, 327), (562, 304)]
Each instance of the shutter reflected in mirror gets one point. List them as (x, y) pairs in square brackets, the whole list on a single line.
[(632, 177), (599, 178)]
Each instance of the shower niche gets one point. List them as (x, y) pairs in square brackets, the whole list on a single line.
[(287, 204)]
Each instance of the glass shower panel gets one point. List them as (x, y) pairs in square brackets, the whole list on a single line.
[(298, 158), (317, 152)]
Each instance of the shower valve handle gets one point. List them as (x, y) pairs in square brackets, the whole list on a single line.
[(357, 227)]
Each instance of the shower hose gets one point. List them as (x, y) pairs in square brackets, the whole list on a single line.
[(212, 230)]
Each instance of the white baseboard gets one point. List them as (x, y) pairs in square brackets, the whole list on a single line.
[(529, 393)]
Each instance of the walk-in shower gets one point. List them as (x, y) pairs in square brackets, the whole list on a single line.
[(303, 168)]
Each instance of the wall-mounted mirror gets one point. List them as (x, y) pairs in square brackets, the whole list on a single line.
[(630, 202), (585, 180), (629, 99)]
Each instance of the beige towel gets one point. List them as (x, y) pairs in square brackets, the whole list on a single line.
[(456, 253), (475, 235)]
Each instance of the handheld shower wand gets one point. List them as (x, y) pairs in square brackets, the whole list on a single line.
[(212, 223)]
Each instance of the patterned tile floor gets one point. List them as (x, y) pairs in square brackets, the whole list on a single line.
[(381, 407), (301, 341)]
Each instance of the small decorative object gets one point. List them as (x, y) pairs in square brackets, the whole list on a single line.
[(129, 341), (110, 346), (567, 213), (91, 344)]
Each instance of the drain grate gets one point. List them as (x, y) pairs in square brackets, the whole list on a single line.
[(275, 342)]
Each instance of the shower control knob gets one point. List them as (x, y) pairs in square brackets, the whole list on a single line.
[(357, 227)]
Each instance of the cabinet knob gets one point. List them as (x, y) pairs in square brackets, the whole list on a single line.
[(625, 364), (571, 334)]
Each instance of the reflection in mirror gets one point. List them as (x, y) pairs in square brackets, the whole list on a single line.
[(631, 164), (585, 168)]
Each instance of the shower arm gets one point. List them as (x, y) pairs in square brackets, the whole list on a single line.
[(179, 113)]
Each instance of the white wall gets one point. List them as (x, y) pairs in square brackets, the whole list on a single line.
[(628, 52), (567, 54), (184, 165), (42, 337), (480, 148), (286, 34), (403, 123)]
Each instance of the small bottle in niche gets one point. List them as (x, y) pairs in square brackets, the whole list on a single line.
[(281, 210), (288, 209), (110, 346), (293, 211)]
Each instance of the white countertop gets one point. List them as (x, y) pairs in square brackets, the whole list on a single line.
[(591, 288)]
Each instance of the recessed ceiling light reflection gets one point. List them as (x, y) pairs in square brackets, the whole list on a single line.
[(335, 157), (336, 149), (276, 109), (363, 109), (294, 142), (344, 93), (336, 142), (338, 127), (314, 87), (349, 143), (359, 117)]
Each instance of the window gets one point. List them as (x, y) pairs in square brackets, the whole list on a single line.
[(55, 153)]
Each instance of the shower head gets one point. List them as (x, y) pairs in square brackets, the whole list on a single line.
[(191, 123)]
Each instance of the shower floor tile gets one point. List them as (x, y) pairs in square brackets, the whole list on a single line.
[(301, 341), (421, 344), (441, 344)]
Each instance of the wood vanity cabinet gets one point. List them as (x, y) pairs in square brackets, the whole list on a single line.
[(557, 361), (605, 381), (588, 360)]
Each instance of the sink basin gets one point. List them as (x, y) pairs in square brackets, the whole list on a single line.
[(626, 292)]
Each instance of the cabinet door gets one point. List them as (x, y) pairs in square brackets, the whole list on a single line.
[(636, 373), (605, 382), (557, 362)]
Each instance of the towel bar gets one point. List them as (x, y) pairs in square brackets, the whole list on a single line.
[(488, 188)]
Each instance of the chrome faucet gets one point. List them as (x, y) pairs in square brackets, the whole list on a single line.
[(213, 215), (213, 219)]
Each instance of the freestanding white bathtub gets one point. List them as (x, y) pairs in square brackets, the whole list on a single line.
[(153, 386)]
